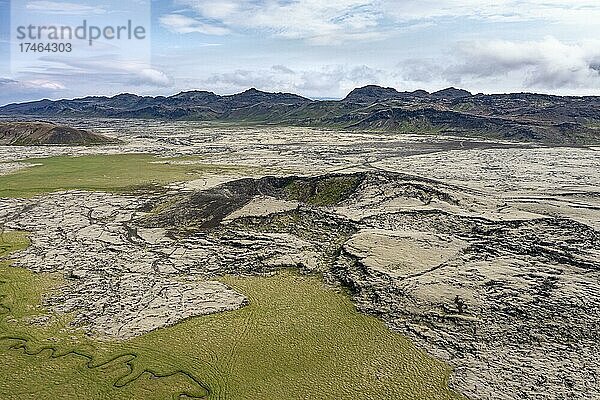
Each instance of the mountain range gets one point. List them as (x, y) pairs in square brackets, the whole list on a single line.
[(567, 120)]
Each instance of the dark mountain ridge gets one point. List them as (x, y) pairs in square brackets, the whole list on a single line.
[(518, 116)]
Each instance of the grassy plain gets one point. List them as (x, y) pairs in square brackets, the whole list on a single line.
[(119, 172)]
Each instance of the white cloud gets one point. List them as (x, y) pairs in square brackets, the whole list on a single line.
[(572, 11), (12, 90), (182, 24), (43, 84), (335, 21), (216, 9), (63, 8), (320, 22), (116, 71), (334, 80), (546, 64), (149, 76)]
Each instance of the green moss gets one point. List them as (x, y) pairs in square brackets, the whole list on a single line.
[(298, 338), (299, 190), (325, 192), (117, 173), (165, 204), (419, 126), (592, 124), (12, 241), (333, 190)]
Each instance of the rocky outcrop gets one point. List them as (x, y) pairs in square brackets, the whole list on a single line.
[(451, 93), (374, 94)]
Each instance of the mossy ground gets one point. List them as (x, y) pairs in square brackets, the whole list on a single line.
[(297, 339), (120, 172), (326, 192)]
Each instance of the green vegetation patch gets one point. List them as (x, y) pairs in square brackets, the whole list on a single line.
[(297, 339), (117, 173), (42, 357), (324, 192), (419, 126), (12, 241)]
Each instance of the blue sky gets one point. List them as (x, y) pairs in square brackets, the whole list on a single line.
[(312, 47)]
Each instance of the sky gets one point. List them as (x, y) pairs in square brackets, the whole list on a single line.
[(315, 48)]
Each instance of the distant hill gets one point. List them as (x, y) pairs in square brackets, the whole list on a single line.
[(451, 111), (372, 94), (451, 93), (41, 133)]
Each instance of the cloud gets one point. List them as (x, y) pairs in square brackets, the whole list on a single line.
[(317, 21), (63, 8), (12, 90), (572, 11), (283, 69), (182, 24), (117, 72), (61, 77), (333, 80), (36, 84), (338, 21), (547, 65), (43, 85), (153, 77)]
